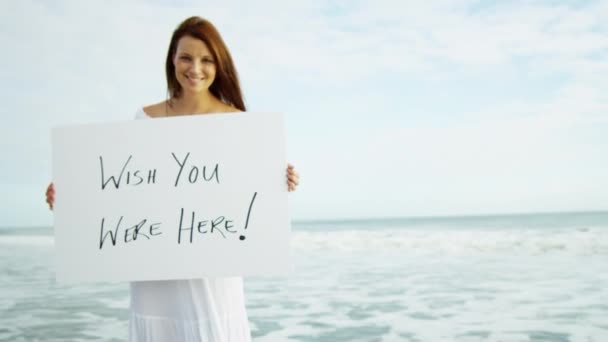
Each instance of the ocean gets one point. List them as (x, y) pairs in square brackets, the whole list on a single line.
[(533, 277)]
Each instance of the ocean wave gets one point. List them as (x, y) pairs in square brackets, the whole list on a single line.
[(27, 240), (583, 242), (577, 241)]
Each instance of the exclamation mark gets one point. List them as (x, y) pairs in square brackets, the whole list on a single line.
[(242, 237)]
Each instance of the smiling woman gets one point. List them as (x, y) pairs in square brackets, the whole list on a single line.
[(201, 79), (197, 60)]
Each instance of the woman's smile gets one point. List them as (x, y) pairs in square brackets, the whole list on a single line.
[(194, 80)]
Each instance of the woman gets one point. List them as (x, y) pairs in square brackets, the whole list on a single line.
[(201, 79)]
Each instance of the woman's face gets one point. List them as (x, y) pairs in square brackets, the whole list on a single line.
[(194, 65)]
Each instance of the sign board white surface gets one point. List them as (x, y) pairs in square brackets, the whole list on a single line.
[(171, 198)]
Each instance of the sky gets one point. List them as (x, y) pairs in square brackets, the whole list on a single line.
[(393, 108)]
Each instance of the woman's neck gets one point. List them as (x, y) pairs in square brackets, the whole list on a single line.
[(193, 104)]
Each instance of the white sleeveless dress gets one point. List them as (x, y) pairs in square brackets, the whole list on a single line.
[(193, 310)]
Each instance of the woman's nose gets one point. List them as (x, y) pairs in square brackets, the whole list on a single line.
[(196, 66)]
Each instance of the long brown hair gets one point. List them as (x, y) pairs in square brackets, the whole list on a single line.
[(226, 85)]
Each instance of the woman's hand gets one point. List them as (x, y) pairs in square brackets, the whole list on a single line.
[(50, 195), (293, 178)]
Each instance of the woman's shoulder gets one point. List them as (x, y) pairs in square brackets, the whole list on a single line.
[(226, 108), (156, 110)]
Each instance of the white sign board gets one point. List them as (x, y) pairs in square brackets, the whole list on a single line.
[(171, 198)]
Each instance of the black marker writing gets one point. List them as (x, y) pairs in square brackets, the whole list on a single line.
[(135, 174), (105, 182), (195, 171), (131, 233), (112, 236), (242, 237), (219, 225)]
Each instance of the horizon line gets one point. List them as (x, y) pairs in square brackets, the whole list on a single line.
[(450, 216)]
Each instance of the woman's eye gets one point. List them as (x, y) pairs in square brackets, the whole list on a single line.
[(185, 58), (206, 60)]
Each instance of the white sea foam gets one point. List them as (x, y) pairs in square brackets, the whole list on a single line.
[(578, 242), (27, 240), (450, 242), (335, 295)]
